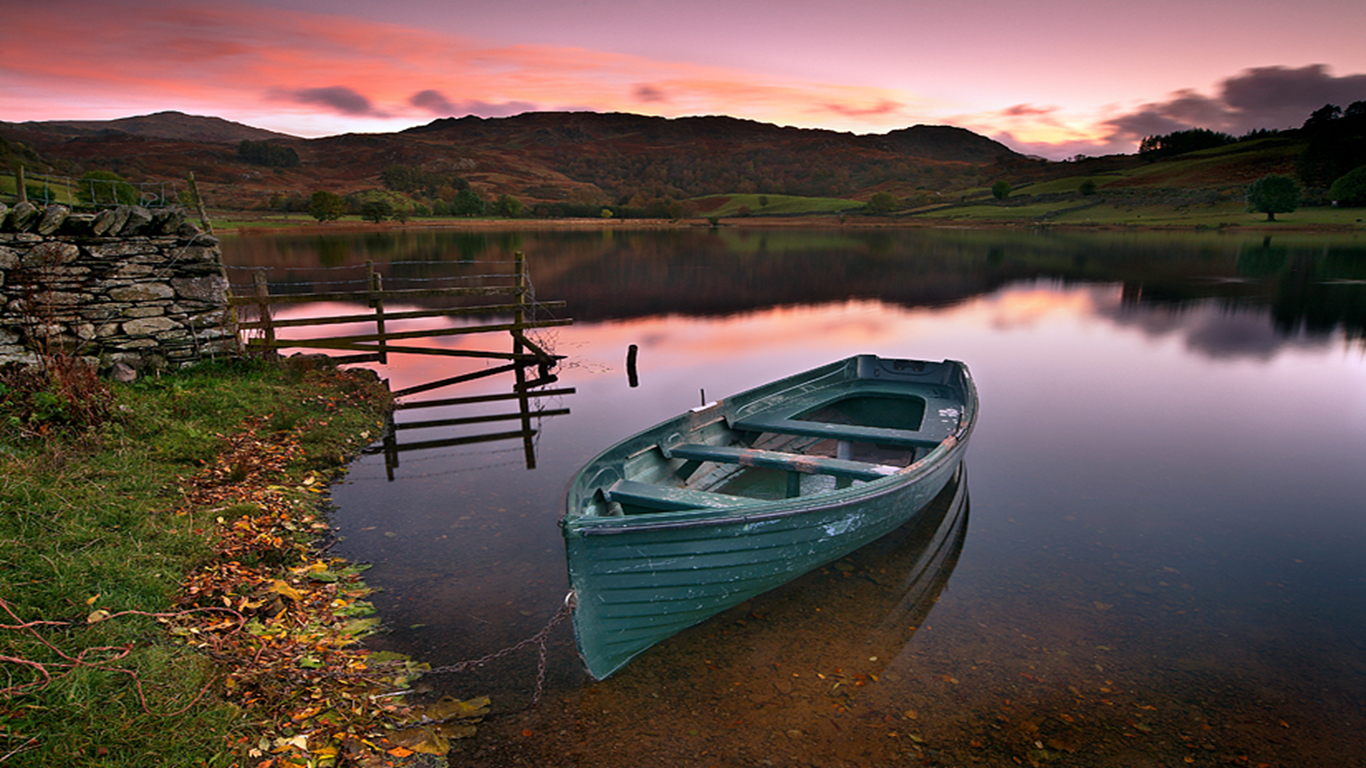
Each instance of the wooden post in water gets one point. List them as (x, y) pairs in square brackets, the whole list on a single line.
[(376, 282), (263, 293), (518, 321)]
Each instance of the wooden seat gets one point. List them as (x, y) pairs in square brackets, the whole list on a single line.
[(850, 432), (792, 462), (665, 498)]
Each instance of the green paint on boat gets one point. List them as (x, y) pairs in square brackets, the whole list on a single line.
[(706, 510)]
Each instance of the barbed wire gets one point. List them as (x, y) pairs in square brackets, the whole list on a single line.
[(101, 192)]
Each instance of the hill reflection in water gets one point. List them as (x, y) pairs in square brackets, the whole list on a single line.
[(1164, 559)]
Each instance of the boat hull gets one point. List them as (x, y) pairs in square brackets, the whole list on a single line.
[(639, 579)]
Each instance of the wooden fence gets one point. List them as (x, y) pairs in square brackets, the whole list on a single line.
[(265, 333), (377, 346)]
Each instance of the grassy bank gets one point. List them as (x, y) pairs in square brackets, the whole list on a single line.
[(154, 545)]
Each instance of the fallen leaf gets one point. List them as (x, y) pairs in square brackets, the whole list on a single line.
[(282, 588)]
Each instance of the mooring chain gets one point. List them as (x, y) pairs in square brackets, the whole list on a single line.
[(539, 640)]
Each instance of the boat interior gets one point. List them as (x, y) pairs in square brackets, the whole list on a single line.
[(723, 457)]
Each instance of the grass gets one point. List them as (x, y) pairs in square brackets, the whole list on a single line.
[(89, 522), (57, 185), (777, 205)]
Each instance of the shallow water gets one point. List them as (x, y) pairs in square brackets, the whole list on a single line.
[(1161, 562)]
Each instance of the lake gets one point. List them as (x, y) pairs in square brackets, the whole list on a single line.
[(1155, 558)]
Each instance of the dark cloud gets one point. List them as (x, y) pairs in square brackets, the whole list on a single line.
[(436, 103), (1028, 110), (338, 98), (1212, 328), (432, 101), (649, 93), (1263, 97)]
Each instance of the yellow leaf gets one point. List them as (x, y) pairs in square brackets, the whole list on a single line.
[(96, 617), (298, 742), (449, 707), (282, 588), (421, 739), (92, 600), (401, 752)]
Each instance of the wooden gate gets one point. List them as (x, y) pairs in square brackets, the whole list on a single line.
[(511, 294)]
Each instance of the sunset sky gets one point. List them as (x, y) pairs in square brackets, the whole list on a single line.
[(1051, 77)]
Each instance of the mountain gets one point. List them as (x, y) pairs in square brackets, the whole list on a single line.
[(161, 125), (583, 159)]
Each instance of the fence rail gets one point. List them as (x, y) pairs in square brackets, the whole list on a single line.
[(377, 346)]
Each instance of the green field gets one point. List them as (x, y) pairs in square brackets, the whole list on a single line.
[(775, 205)]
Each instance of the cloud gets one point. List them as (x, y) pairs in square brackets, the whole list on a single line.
[(338, 98), (649, 93), (1262, 97), (436, 103), (881, 108), (1028, 110)]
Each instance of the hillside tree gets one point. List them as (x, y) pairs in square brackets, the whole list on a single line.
[(467, 202), (376, 210), (326, 206), (1273, 194), (507, 205)]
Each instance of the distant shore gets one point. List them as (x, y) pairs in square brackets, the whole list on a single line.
[(234, 224)]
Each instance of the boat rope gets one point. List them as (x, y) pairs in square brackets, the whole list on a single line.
[(539, 640)]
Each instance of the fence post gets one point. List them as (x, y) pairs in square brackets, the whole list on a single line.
[(263, 292), (518, 319), (19, 182), (198, 204), (376, 283)]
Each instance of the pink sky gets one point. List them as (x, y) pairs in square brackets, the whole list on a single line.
[(1052, 77)]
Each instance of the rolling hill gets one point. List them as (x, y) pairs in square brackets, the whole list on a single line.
[(566, 157)]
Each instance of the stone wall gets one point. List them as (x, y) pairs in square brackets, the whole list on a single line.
[(125, 285)]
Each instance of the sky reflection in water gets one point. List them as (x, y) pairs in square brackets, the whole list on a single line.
[(1177, 484)]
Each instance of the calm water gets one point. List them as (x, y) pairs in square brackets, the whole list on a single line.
[(1157, 558)]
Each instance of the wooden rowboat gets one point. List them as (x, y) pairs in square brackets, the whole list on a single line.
[(706, 510)]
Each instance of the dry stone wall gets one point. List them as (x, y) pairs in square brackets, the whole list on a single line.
[(125, 286)]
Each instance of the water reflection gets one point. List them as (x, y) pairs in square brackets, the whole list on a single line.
[(1314, 284), (1165, 559)]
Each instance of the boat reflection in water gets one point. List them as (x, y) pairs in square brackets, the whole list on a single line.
[(725, 502), (858, 613)]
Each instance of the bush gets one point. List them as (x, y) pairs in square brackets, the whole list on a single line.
[(106, 188), (1000, 190), (267, 154), (882, 202), (65, 392), (1350, 190)]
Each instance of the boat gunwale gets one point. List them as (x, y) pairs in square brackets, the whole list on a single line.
[(710, 517), (583, 525)]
